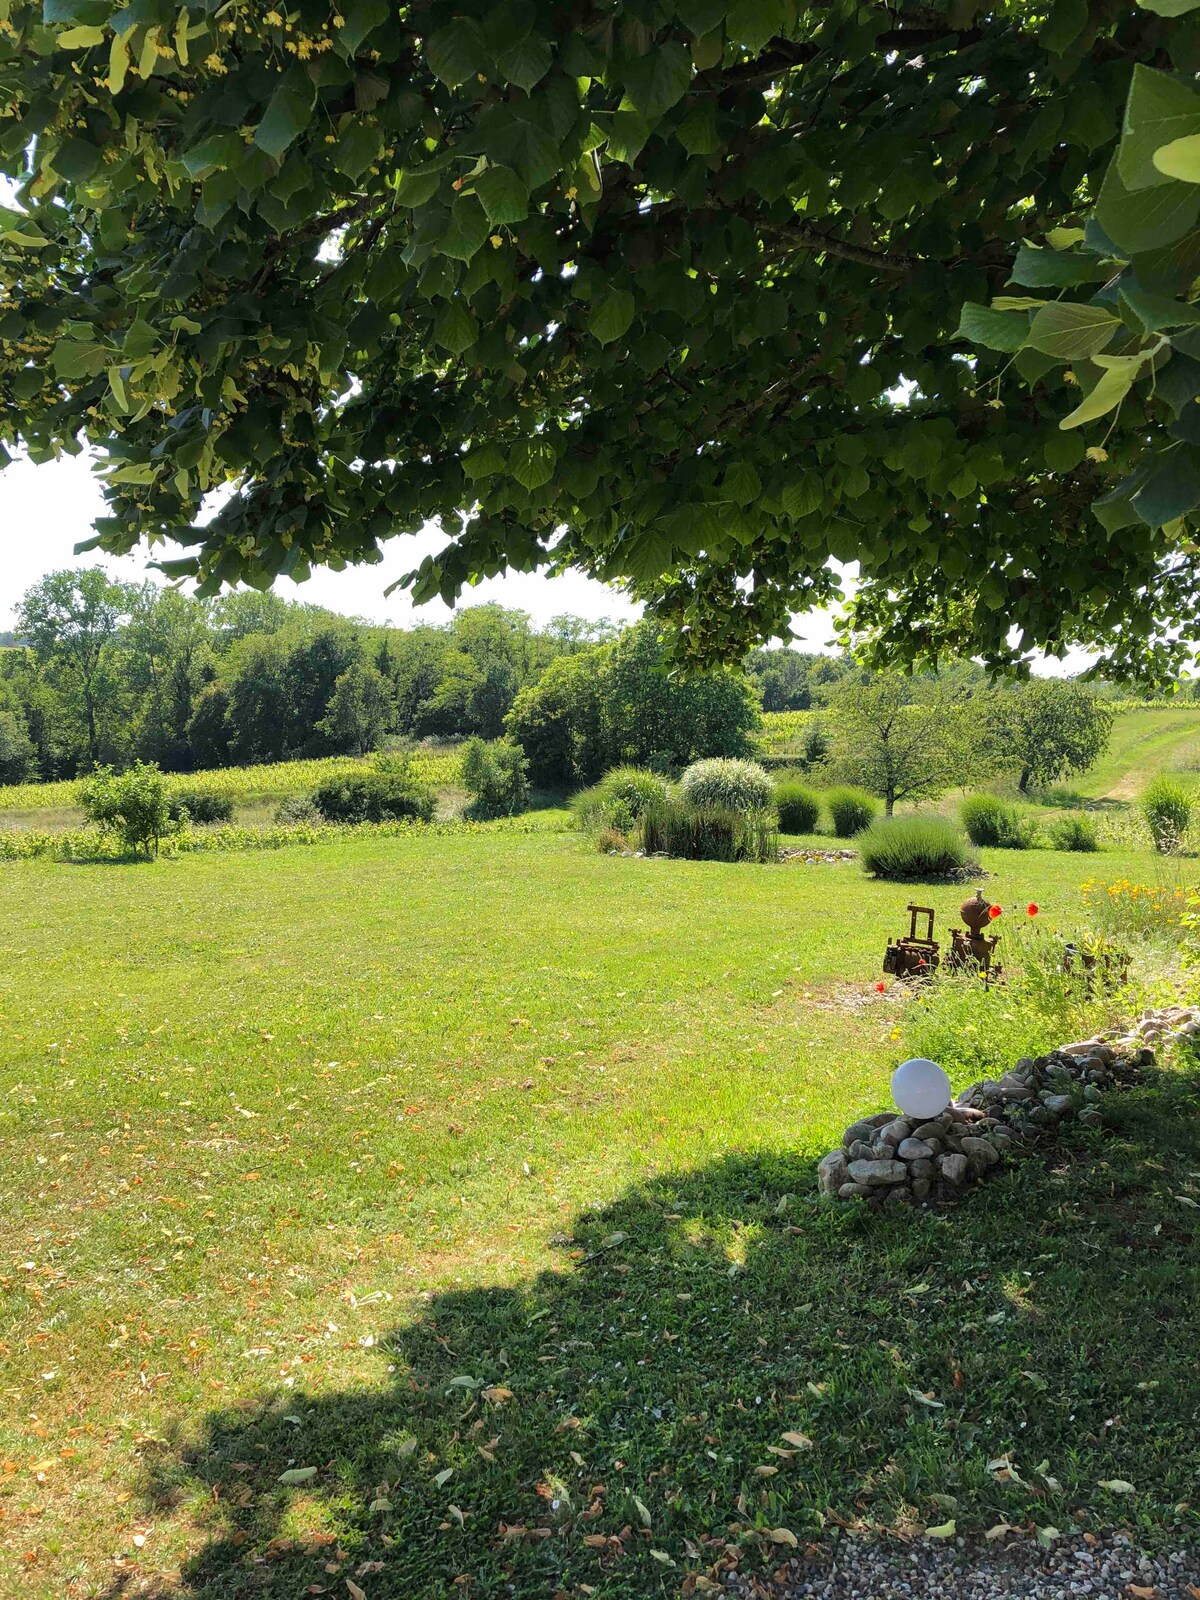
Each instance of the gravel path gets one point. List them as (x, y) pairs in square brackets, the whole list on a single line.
[(1112, 1568)]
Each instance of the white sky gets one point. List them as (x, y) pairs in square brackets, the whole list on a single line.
[(46, 510)]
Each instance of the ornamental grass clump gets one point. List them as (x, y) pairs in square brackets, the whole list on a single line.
[(850, 810), (673, 827), (1167, 807), (995, 823), (619, 799), (1073, 833), (914, 847), (726, 784), (798, 806)]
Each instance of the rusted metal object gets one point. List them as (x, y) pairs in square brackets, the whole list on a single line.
[(913, 956), (971, 948)]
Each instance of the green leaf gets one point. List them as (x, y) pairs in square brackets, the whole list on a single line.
[(804, 496), (655, 81), (219, 150), (358, 146), (627, 133), (418, 185), (455, 329), (1169, 8), (466, 229), (741, 484), (484, 462), (532, 463), (611, 315), (26, 234), (1066, 22), (118, 62), (360, 17), (1147, 218), (516, 142), (287, 115), (1112, 387), (505, 198), (526, 63), (1054, 269), (456, 52), (1172, 489), (1064, 451), (1070, 331), (697, 133), (1160, 109), (753, 22), (1180, 159), (997, 330), (298, 1475), (1154, 312)]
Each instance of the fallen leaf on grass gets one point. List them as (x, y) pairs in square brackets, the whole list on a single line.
[(1117, 1486), (926, 1400), (944, 1530), (784, 1536), (443, 1476), (999, 1530), (661, 1555), (298, 1475), (800, 1440), (643, 1512), (355, 1592), (1047, 1536)]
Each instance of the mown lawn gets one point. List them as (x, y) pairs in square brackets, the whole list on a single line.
[(1143, 744), (475, 1174)]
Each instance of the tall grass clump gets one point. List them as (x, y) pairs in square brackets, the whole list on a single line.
[(726, 784), (850, 810), (1167, 807), (799, 807), (202, 805), (913, 847), (673, 827), (618, 801), (1073, 833), (995, 823)]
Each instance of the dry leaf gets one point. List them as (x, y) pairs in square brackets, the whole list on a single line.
[(800, 1440), (355, 1592), (298, 1475), (784, 1536), (944, 1530), (1117, 1486)]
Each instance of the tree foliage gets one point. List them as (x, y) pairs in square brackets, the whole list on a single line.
[(1046, 728), (1103, 321), (902, 738), (667, 292)]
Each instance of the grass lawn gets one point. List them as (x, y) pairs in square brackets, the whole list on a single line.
[(1143, 744), (468, 1181)]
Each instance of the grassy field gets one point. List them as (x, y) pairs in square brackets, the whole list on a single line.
[(434, 1214), (1143, 744)]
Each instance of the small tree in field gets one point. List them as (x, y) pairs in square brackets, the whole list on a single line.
[(1046, 728), (360, 709), (131, 804), (497, 775), (898, 738)]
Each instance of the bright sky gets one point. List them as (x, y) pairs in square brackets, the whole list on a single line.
[(46, 510)]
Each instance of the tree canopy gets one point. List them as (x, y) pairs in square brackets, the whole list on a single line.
[(671, 293)]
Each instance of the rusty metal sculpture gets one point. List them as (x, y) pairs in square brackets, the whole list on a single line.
[(911, 956), (971, 949)]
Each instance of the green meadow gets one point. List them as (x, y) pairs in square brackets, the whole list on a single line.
[(435, 1213)]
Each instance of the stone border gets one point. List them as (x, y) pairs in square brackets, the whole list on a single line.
[(889, 1159)]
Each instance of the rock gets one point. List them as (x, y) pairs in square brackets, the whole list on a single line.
[(983, 1148), (953, 1167), (921, 1169), (858, 1133), (914, 1150), (853, 1191), (900, 1196), (878, 1172), (879, 1119), (1057, 1104), (859, 1151), (1092, 1117), (932, 1130), (892, 1133), (1025, 1064), (921, 1188), (1144, 1058), (833, 1171)]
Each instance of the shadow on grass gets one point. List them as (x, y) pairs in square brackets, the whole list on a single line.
[(603, 1429)]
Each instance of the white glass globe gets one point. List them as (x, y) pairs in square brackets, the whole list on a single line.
[(920, 1088)]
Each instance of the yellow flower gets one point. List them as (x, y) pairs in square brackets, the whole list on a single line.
[(273, 19)]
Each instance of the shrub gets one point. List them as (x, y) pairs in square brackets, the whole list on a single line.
[(619, 799), (201, 805), (131, 804), (797, 805), (496, 773), (994, 822), (726, 784), (850, 810), (1073, 833), (1167, 808), (913, 847), (374, 797), (297, 808), (674, 827)]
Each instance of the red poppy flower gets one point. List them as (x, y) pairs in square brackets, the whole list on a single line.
[(881, 986), (993, 912), (1032, 908)]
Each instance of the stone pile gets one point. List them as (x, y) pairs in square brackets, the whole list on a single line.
[(1161, 1025), (810, 855), (897, 1160)]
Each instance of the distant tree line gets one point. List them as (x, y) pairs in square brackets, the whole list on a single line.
[(103, 673)]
